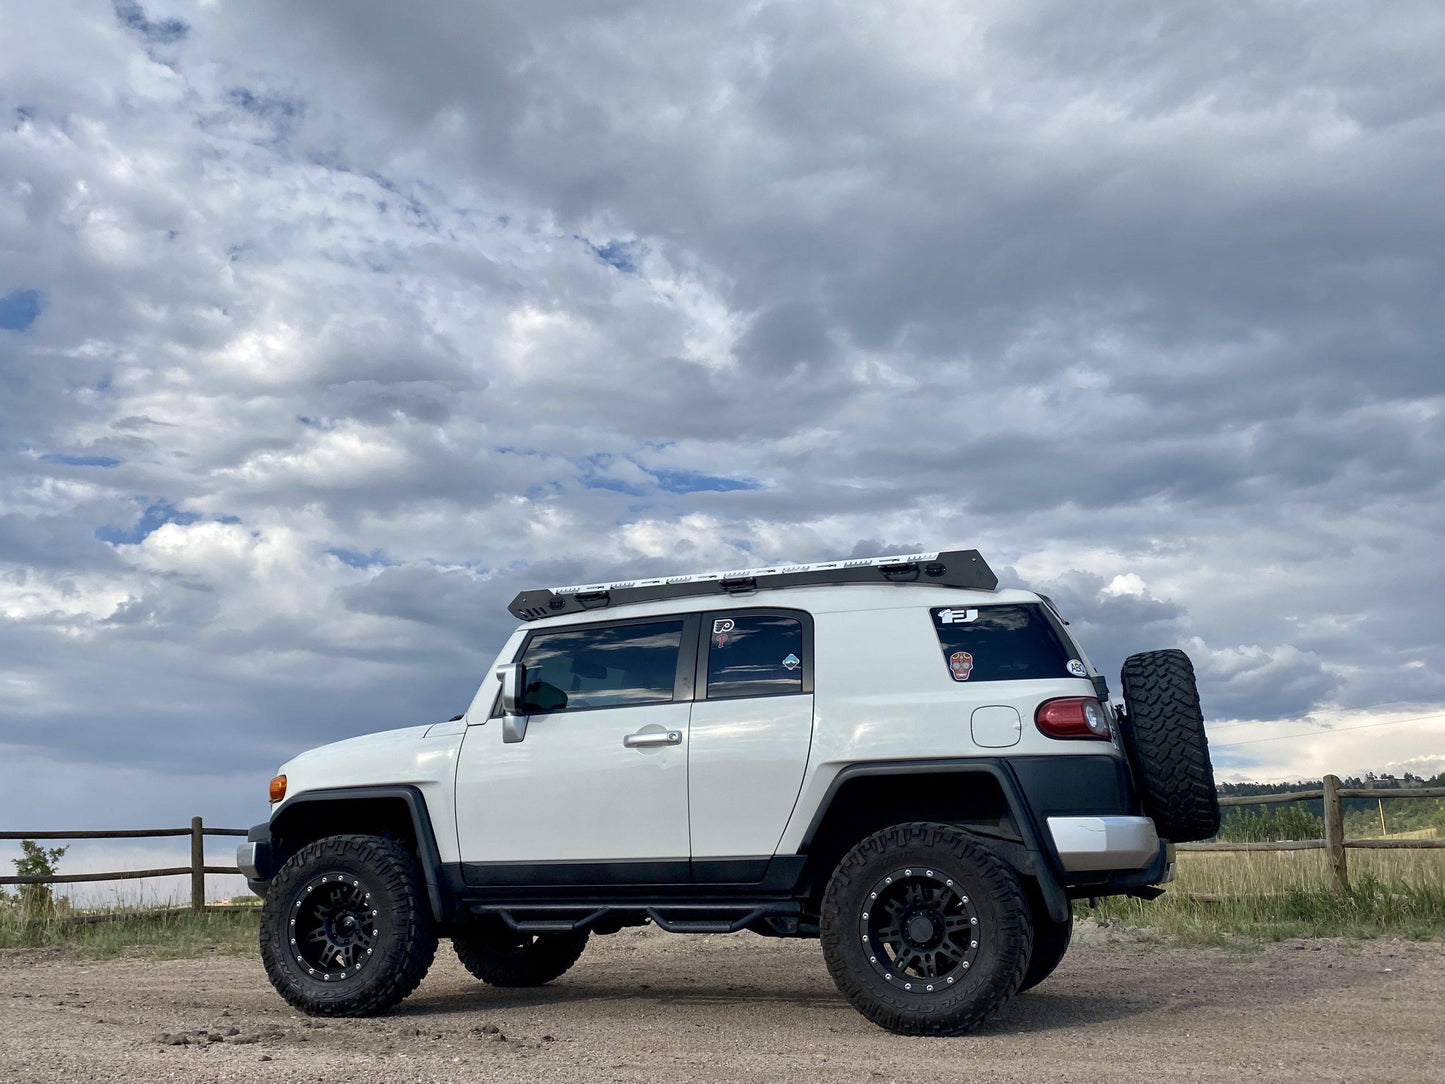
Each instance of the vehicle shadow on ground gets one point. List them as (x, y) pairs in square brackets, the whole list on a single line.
[(1028, 1012)]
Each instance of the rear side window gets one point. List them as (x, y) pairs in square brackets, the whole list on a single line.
[(609, 667), (1002, 643), (757, 655)]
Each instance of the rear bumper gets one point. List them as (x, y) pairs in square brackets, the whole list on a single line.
[(1093, 844)]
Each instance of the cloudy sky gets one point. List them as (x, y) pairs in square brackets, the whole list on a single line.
[(326, 327)]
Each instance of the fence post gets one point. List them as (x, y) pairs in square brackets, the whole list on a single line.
[(198, 865), (1335, 836)]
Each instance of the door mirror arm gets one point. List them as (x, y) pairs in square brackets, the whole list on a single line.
[(513, 677)]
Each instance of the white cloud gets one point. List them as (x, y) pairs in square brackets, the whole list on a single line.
[(356, 320)]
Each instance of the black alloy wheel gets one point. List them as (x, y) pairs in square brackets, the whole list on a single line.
[(346, 929), (925, 929), (333, 926), (921, 929)]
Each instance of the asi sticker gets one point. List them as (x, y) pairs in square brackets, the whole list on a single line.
[(960, 665), (792, 662), (1077, 668), (720, 629)]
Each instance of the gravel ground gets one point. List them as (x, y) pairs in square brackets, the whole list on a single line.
[(645, 1006)]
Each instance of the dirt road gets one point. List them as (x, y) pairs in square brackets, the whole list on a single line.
[(644, 1006)]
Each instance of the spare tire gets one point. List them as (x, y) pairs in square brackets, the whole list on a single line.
[(1163, 732)]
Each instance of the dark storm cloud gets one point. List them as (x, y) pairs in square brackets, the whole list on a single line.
[(326, 328)]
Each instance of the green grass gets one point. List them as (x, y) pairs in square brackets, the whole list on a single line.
[(1217, 898), (180, 935), (1276, 895)]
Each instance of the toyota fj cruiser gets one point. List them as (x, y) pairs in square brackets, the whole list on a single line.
[(892, 755)]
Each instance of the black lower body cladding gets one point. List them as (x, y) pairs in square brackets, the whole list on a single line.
[(1164, 736)]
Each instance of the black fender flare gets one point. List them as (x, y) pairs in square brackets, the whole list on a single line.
[(1036, 858), (415, 802)]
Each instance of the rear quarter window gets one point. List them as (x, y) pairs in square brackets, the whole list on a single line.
[(1001, 643)]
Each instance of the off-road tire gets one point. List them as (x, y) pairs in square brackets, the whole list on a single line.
[(501, 956), (948, 857), (385, 875), (1051, 941), (1164, 736)]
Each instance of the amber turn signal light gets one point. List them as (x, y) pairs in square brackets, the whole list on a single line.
[(278, 788)]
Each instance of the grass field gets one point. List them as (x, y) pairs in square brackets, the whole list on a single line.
[(1276, 895), (180, 934), (1268, 895)]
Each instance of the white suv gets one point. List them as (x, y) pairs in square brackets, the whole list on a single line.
[(889, 754)]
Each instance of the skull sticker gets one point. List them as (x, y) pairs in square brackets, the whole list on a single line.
[(960, 664)]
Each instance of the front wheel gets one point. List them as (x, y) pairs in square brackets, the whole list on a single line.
[(345, 928), (501, 956), (925, 929)]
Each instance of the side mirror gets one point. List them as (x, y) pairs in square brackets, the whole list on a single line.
[(513, 677)]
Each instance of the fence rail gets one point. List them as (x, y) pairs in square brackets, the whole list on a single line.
[(197, 870), (1331, 793), (1334, 843)]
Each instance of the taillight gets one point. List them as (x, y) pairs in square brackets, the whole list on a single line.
[(1072, 717)]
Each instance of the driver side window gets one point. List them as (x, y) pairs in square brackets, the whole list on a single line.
[(609, 667)]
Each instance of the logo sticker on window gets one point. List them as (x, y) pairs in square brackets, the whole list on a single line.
[(720, 629), (792, 662), (956, 617), (960, 665), (1077, 668)]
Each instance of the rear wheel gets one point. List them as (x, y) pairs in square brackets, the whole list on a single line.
[(501, 956), (1051, 941), (1164, 736), (345, 928), (925, 930)]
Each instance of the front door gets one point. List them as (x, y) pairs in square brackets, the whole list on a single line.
[(596, 792)]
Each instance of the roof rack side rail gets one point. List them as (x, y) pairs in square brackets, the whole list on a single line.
[(954, 568)]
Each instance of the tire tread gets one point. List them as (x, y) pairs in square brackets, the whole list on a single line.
[(398, 873)]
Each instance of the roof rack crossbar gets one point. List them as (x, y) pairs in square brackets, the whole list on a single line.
[(954, 568)]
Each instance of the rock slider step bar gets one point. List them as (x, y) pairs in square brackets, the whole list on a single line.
[(954, 568)]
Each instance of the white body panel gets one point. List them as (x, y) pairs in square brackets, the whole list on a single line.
[(571, 791), (421, 756), (884, 692), (745, 766)]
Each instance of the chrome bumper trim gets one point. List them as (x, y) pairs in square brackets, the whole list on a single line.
[(1086, 844)]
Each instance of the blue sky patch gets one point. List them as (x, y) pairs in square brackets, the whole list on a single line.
[(162, 32), (18, 309), (626, 256), (692, 481), (81, 460), (155, 516), (357, 559)]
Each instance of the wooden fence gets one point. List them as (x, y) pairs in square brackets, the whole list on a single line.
[(197, 869), (1332, 793), (1334, 844)]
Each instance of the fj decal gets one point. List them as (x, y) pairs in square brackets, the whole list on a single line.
[(960, 664)]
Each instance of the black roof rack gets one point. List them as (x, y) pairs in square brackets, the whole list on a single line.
[(955, 568)]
